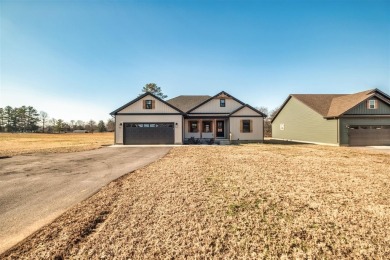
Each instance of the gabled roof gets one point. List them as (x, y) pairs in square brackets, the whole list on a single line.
[(185, 103), (335, 105), (344, 103), (318, 102), (211, 98), (250, 107), (141, 97)]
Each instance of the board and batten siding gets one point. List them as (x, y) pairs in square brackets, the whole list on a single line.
[(246, 111), (148, 119), (302, 123), (345, 122), (138, 107), (213, 106), (361, 109), (257, 129)]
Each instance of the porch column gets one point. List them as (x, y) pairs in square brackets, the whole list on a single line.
[(200, 128)]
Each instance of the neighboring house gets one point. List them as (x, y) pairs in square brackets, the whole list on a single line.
[(220, 118), (359, 119)]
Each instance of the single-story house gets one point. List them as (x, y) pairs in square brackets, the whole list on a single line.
[(360, 119), (221, 118)]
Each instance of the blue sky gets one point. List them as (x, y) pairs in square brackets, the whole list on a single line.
[(84, 59)]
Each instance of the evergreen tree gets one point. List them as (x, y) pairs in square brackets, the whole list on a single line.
[(101, 126), (154, 89)]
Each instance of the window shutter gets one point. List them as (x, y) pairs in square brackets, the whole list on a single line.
[(368, 104), (153, 104), (251, 126), (241, 126), (376, 104), (144, 104)]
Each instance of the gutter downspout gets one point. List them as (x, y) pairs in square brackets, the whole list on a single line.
[(263, 130), (338, 131), (182, 129), (114, 128)]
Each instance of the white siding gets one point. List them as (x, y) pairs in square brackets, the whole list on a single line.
[(257, 133), (145, 119), (137, 107), (246, 111), (213, 106)]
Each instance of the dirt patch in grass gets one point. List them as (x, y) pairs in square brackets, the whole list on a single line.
[(250, 201), (26, 143)]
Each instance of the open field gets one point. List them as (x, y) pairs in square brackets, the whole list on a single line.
[(250, 201), (24, 143)]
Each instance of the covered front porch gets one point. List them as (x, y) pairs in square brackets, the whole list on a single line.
[(206, 129)]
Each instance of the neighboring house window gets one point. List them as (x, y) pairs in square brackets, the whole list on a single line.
[(193, 126), (207, 127), (148, 104), (246, 126), (372, 104), (222, 103)]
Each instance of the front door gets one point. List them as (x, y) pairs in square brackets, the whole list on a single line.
[(220, 128)]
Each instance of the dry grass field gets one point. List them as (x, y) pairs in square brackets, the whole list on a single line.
[(224, 202), (25, 143)]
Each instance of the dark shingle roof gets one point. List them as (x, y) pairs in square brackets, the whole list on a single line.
[(185, 103)]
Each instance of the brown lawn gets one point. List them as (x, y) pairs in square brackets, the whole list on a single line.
[(250, 201), (25, 143)]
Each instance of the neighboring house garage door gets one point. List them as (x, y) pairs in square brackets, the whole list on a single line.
[(369, 135), (149, 133)]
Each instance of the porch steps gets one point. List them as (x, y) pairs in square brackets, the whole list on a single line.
[(223, 141)]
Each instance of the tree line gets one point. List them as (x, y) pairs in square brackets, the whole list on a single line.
[(27, 119)]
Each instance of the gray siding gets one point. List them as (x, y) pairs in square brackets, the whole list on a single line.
[(301, 123), (362, 109), (344, 122)]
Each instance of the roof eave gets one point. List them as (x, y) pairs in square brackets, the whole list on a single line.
[(141, 97), (211, 98)]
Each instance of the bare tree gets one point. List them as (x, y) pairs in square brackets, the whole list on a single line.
[(263, 110), (91, 125), (43, 116), (267, 122), (80, 124), (273, 112), (110, 125), (52, 124), (72, 122)]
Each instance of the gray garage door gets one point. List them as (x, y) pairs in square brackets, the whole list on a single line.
[(149, 133), (369, 135)]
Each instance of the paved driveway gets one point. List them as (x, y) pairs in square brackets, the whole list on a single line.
[(384, 149), (36, 189)]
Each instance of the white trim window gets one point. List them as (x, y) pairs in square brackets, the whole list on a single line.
[(193, 126), (372, 104)]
